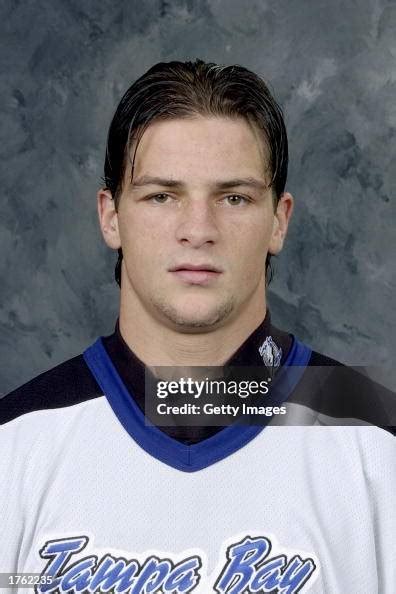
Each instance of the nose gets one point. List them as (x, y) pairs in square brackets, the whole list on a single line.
[(197, 225)]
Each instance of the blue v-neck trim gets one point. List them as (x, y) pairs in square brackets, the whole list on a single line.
[(157, 443)]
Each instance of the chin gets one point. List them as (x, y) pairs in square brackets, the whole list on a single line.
[(194, 316)]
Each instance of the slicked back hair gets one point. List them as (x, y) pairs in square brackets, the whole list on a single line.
[(171, 90)]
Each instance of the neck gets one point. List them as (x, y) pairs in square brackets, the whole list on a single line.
[(157, 344)]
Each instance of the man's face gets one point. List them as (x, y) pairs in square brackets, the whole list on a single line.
[(197, 221)]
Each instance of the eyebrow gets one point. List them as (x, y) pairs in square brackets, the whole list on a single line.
[(147, 180)]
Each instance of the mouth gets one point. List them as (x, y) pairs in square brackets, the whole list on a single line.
[(193, 274)]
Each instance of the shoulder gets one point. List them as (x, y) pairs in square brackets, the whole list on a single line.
[(346, 393), (67, 384)]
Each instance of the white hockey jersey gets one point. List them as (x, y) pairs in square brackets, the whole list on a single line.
[(94, 500)]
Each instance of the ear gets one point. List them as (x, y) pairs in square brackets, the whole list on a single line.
[(108, 219), (282, 216)]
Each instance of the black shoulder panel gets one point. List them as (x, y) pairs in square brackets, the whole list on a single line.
[(66, 384), (319, 360), (342, 392)]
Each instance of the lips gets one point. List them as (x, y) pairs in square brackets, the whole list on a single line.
[(200, 267), (196, 274)]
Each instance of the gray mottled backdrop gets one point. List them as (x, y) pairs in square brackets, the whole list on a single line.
[(65, 65)]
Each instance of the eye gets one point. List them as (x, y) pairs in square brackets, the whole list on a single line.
[(236, 199), (159, 198)]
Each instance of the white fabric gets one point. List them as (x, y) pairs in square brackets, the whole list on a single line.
[(323, 493)]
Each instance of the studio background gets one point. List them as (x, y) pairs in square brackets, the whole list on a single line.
[(64, 67)]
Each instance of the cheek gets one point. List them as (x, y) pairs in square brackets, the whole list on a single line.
[(250, 242), (252, 267), (249, 250), (142, 236)]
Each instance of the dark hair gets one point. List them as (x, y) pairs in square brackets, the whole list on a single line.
[(184, 89)]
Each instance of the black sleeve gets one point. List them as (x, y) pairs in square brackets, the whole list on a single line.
[(66, 384), (342, 392)]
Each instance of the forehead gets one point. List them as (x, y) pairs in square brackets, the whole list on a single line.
[(207, 147)]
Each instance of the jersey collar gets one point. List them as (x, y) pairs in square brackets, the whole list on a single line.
[(188, 458)]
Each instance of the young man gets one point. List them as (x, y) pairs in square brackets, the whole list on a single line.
[(94, 496)]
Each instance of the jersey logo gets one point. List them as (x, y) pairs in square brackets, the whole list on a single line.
[(246, 566), (270, 353)]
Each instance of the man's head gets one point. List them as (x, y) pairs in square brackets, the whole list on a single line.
[(214, 140), (184, 89)]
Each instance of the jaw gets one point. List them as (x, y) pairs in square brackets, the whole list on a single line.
[(195, 311)]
